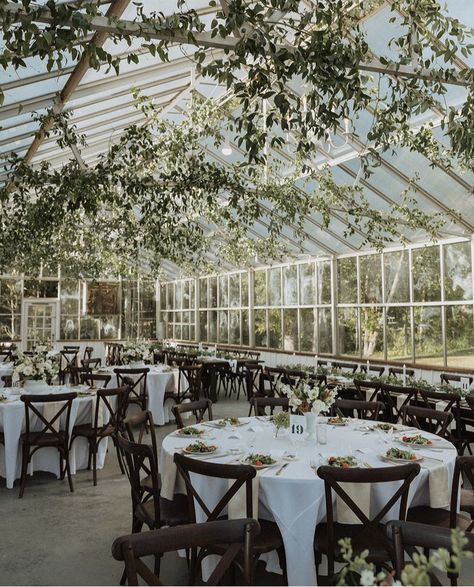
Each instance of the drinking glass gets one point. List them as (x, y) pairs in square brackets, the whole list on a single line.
[(322, 432)]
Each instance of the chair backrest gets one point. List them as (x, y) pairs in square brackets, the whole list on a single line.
[(49, 424), (347, 366), (159, 357), (391, 395), (450, 378), (5, 355), (377, 369), (68, 358), (253, 372), (434, 421), (410, 536), (394, 371), (198, 408), (92, 379), (237, 535), (241, 474), (335, 477), (88, 353), (135, 379), (71, 347), (273, 375), (139, 461), (137, 426), (373, 387), (261, 404), (192, 375), (92, 363), (113, 402), (358, 409), (77, 373)]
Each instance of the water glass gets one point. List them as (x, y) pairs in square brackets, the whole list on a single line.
[(322, 432)]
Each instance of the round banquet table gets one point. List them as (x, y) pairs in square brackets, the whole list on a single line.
[(160, 379), (294, 498), (12, 424)]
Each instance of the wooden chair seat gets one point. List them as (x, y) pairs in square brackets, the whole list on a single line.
[(269, 538), (360, 541), (436, 517), (88, 430), (172, 513), (45, 439), (467, 501), (147, 483)]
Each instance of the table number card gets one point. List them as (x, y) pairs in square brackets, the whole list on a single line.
[(297, 425)]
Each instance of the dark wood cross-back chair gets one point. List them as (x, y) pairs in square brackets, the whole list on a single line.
[(434, 421), (159, 356), (96, 379), (466, 424), (358, 409), (88, 353), (450, 518), (409, 537), (77, 374), (272, 376), (390, 393), (260, 405), (5, 355), (377, 369), (349, 393), (346, 366), (149, 508), (242, 476), (190, 382), (368, 387), (71, 348), (198, 408), (136, 380), (449, 378), (136, 427), (396, 371), (428, 399), (238, 536), (253, 374), (68, 359), (369, 532), (92, 363), (111, 405), (7, 380), (51, 432)]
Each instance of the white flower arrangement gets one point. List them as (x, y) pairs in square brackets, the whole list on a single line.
[(135, 350), (37, 366), (306, 397)]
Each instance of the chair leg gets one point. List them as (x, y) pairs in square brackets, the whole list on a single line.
[(68, 470), (61, 466), (94, 464), (119, 456), (25, 458)]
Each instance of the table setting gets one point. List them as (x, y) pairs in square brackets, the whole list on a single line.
[(287, 466)]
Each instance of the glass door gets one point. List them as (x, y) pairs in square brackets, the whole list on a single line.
[(40, 323)]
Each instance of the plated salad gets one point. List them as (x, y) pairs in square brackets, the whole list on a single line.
[(259, 460), (190, 431), (385, 427), (231, 421), (418, 439), (200, 447), (400, 455), (338, 421), (343, 462)]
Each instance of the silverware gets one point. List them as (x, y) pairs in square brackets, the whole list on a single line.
[(280, 470)]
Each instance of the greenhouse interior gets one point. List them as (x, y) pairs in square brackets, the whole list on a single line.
[(237, 292)]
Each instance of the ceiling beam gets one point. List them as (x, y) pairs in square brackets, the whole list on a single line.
[(115, 26)]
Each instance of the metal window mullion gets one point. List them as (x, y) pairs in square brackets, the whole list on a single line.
[(443, 307), (335, 341)]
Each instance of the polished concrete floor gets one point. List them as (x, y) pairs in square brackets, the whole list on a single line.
[(54, 537)]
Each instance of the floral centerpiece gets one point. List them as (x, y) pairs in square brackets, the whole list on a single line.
[(135, 351), (37, 367), (310, 400)]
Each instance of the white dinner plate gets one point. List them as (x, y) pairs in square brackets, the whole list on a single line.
[(245, 462), (418, 459), (201, 454)]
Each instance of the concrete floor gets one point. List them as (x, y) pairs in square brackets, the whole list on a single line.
[(54, 537)]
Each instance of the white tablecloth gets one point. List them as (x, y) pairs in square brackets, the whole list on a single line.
[(295, 499), (159, 380), (5, 369), (12, 424)]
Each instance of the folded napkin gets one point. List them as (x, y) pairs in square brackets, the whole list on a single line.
[(360, 494), (255, 428)]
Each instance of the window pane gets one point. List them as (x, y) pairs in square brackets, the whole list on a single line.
[(163, 297), (185, 288), (260, 328), (308, 336), (325, 330), (399, 335), (426, 275), (169, 296), (203, 293), (169, 330), (223, 327), (397, 281), (428, 338), (213, 292), (223, 291), (234, 326), (324, 282), (245, 327), (370, 275), (89, 328), (10, 326), (460, 336), (34, 288), (234, 290), (457, 271), (192, 297), (274, 329), (212, 327), (274, 287), (260, 289), (290, 285), (290, 325), (178, 294), (244, 279), (347, 326), (185, 332), (203, 325), (347, 280), (306, 284), (178, 331), (372, 332)]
